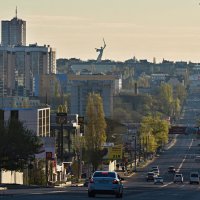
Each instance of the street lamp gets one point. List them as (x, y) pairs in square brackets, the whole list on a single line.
[(135, 152)]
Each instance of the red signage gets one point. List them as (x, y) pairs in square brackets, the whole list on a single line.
[(49, 155)]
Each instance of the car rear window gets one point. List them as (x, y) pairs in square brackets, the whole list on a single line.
[(104, 174), (194, 175), (178, 175)]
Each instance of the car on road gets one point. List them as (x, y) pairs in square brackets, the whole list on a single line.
[(150, 176), (194, 177), (155, 169), (158, 180), (197, 158), (178, 178), (171, 169), (105, 182)]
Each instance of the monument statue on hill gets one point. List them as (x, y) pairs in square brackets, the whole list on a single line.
[(100, 50)]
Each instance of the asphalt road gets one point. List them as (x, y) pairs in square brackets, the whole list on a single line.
[(181, 155)]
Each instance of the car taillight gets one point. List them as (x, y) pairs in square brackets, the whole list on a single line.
[(115, 181), (91, 180)]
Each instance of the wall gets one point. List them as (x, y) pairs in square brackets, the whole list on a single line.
[(11, 177)]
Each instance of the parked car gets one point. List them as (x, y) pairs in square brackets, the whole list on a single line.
[(178, 178), (150, 176), (105, 182), (158, 180), (171, 169), (194, 177)]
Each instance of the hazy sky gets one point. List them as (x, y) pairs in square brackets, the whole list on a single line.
[(167, 29)]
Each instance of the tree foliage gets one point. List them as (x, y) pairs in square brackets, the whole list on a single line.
[(155, 131), (166, 98), (17, 145), (95, 135)]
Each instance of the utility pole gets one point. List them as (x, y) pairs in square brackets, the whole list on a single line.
[(135, 155)]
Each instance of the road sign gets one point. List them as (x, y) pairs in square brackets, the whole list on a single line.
[(116, 152), (177, 130)]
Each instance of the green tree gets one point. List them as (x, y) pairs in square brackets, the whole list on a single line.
[(17, 145), (180, 92), (95, 135), (146, 134), (166, 98), (155, 131)]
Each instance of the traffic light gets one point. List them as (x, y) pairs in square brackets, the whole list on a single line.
[(81, 124)]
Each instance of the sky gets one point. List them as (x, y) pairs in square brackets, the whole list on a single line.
[(164, 29)]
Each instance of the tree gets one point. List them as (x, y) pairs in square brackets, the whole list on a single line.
[(155, 131), (18, 145), (95, 135), (181, 92), (166, 98)]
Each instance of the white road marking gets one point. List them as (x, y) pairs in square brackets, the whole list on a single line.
[(180, 166), (166, 184)]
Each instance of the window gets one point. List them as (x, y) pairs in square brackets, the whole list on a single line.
[(14, 114), (104, 174)]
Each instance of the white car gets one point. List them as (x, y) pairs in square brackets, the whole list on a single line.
[(158, 180), (178, 178), (156, 171), (105, 182), (194, 177)]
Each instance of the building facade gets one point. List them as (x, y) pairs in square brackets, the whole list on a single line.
[(82, 85), (34, 119), (13, 32), (19, 65)]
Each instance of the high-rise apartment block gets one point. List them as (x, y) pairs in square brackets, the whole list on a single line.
[(81, 85), (13, 32), (19, 65)]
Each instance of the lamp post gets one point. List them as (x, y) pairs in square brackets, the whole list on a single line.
[(135, 153)]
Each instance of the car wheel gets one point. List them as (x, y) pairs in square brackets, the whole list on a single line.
[(91, 194), (119, 195)]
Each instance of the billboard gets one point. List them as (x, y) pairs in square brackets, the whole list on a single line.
[(113, 152)]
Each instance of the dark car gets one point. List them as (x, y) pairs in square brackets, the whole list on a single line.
[(150, 176), (171, 169)]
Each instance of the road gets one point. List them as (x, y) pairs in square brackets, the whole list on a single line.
[(181, 155)]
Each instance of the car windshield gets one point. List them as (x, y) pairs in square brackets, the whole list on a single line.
[(150, 174), (104, 174), (178, 175)]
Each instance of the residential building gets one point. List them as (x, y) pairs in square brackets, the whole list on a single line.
[(82, 85), (19, 102), (13, 32), (34, 119), (19, 66)]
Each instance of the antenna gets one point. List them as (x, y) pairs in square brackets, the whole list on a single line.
[(16, 11)]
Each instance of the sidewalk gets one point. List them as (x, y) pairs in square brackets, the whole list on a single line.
[(40, 190)]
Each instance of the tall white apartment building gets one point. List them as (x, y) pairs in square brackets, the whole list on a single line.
[(19, 65)]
